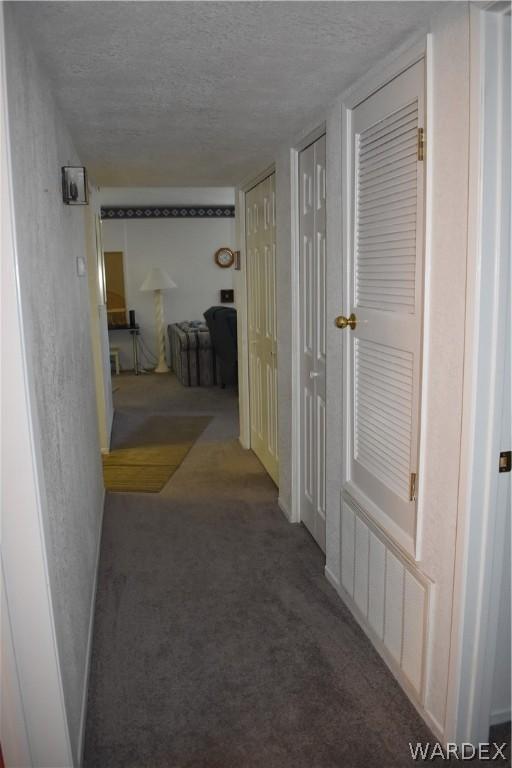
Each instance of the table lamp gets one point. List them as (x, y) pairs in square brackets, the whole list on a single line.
[(158, 280)]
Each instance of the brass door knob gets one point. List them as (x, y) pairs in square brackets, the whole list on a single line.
[(342, 321)]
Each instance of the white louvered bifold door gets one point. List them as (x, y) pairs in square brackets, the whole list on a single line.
[(386, 288), (260, 225)]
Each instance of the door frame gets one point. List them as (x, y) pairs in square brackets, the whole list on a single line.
[(241, 303), (98, 320), (368, 85), (478, 563), (296, 452)]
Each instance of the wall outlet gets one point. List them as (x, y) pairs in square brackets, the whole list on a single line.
[(227, 296)]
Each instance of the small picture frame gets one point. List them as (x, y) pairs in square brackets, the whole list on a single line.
[(74, 185)]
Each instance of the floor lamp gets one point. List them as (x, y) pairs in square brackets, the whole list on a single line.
[(158, 280)]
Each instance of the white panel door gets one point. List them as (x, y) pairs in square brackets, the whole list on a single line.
[(312, 202), (261, 297), (384, 290)]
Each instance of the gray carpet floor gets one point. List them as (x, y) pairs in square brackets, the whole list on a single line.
[(218, 642)]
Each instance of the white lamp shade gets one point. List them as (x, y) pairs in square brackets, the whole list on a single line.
[(157, 280)]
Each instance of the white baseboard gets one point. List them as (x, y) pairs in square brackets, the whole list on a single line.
[(331, 578), (500, 716), (110, 428), (83, 712), (284, 509), (246, 446)]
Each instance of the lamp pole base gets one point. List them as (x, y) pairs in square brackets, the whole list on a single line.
[(162, 366)]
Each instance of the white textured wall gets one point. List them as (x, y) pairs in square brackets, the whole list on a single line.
[(55, 307), (183, 247)]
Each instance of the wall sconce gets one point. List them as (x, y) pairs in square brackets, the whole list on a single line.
[(74, 185)]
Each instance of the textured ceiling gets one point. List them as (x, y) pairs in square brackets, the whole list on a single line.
[(202, 93)]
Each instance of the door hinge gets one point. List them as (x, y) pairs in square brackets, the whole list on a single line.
[(421, 144), (505, 464), (412, 487)]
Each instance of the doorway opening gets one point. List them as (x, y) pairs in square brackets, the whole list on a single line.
[(169, 321)]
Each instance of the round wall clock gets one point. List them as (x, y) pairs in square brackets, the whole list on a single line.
[(224, 257)]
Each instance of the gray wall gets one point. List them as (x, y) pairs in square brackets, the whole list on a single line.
[(50, 236)]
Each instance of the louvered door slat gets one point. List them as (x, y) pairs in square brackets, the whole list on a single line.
[(382, 125), (386, 290), (388, 254), (400, 130), (383, 414), (391, 452), (386, 249), (380, 187), (369, 419), (370, 412), (385, 157), (384, 372), (388, 188), (388, 164), (371, 140), (385, 271), (386, 205), (390, 167), (403, 239), (394, 410), (397, 150), (394, 212), (404, 224)]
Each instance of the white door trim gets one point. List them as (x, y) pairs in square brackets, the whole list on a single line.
[(477, 568), (241, 303), (240, 284), (295, 151), (44, 728), (388, 69), (253, 181)]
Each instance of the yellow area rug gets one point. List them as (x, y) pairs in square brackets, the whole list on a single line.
[(146, 468)]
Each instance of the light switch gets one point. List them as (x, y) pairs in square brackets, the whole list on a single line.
[(80, 266)]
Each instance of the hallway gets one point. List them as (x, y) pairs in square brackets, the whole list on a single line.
[(353, 210), (217, 640)]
